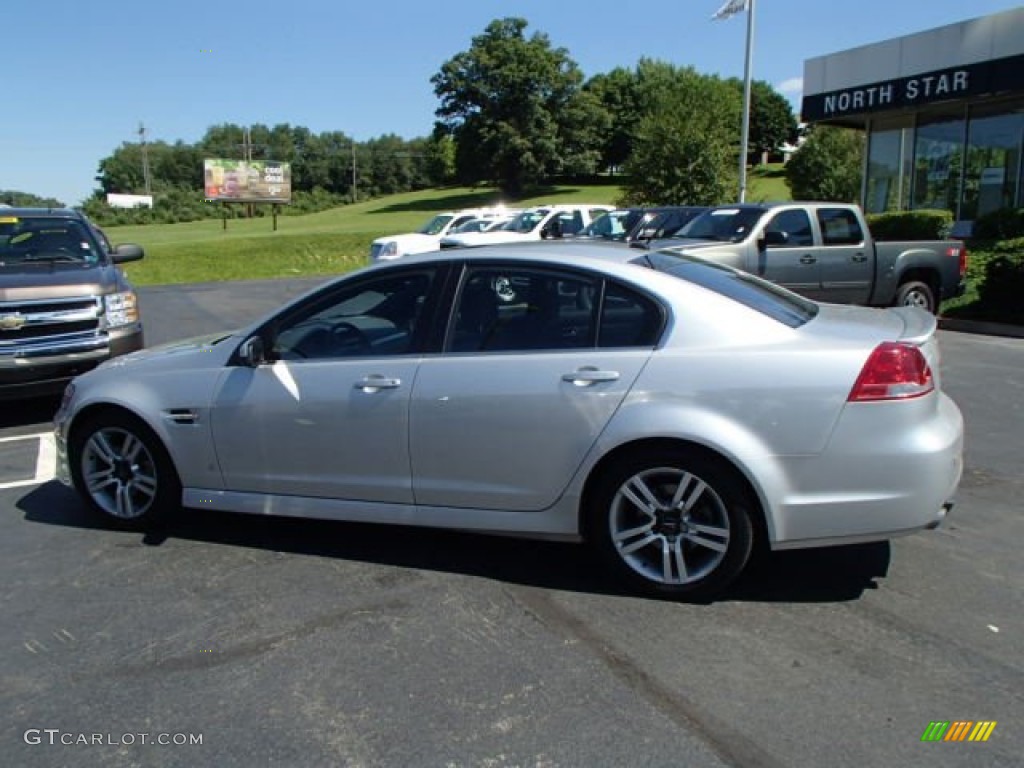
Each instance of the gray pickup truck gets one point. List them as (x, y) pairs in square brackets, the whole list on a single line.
[(825, 252), (65, 306)]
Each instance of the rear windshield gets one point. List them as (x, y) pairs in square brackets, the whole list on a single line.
[(777, 303), (26, 239)]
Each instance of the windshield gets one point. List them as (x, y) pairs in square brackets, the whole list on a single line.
[(436, 225), (526, 221), (728, 225), (25, 239), (613, 225)]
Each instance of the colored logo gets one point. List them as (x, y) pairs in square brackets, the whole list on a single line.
[(958, 730)]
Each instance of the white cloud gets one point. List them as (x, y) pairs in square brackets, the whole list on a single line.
[(792, 85)]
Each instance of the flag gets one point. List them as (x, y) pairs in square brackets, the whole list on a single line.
[(730, 8)]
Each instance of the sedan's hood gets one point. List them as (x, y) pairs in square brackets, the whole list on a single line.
[(684, 244), (490, 238), (199, 352), (410, 239)]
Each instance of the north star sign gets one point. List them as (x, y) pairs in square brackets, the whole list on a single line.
[(940, 85), (895, 93)]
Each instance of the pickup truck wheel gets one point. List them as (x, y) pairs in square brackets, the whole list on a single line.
[(916, 294)]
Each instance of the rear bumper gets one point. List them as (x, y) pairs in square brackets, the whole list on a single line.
[(889, 469)]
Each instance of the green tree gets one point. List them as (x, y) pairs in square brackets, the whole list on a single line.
[(685, 146), (618, 93), (827, 166), (514, 108), (772, 122), (28, 200)]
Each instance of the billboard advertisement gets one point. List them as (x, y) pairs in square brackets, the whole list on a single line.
[(247, 181)]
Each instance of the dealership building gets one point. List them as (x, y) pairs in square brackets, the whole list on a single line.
[(943, 111)]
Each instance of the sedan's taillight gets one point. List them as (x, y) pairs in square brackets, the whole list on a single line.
[(895, 371)]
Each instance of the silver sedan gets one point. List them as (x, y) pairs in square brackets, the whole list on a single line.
[(673, 413)]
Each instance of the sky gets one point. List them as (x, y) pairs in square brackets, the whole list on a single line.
[(82, 75)]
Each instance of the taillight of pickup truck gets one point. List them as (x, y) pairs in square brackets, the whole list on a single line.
[(960, 252)]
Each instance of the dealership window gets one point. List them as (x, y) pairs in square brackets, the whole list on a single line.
[(938, 153), (992, 172), (889, 164)]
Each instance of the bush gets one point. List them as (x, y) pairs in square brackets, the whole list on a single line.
[(1000, 295), (1003, 224), (911, 225)]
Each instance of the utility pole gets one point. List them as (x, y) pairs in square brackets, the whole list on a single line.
[(355, 194), (145, 160)]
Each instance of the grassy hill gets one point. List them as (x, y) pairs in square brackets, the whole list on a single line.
[(330, 242)]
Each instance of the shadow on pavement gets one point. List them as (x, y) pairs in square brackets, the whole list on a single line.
[(37, 410), (823, 575)]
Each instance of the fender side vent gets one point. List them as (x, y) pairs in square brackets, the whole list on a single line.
[(182, 416)]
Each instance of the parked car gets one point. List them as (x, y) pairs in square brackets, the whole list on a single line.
[(825, 252), (630, 224), (482, 225), (613, 225), (672, 412), (544, 222), (663, 221), (65, 306), (428, 237)]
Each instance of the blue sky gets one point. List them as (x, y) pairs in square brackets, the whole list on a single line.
[(81, 75)]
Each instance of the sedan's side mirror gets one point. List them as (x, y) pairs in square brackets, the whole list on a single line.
[(771, 238), (126, 252), (252, 352)]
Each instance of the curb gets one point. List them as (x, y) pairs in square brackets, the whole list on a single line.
[(981, 327)]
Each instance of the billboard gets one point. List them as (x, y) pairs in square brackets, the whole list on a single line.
[(129, 201), (247, 181)]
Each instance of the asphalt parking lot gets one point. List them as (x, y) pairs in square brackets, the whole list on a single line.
[(290, 642)]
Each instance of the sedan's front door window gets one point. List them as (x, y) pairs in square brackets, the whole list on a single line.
[(375, 317)]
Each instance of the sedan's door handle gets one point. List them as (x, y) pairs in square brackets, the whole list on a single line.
[(584, 377), (807, 259), (858, 257), (375, 383)]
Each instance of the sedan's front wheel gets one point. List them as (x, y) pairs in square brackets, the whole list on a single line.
[(673, 523), (123, 471)]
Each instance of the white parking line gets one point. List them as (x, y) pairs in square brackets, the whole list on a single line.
[(46, 460)]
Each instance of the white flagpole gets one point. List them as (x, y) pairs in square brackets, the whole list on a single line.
[(745, 134)]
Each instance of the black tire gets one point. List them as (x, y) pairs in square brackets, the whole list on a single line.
[(915, 293), (664, 553), (122, 471)]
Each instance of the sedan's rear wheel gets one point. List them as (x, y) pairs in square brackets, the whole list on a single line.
[(122, 470), (673, 523)]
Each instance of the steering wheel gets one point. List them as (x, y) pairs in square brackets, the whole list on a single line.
[(347, 333)]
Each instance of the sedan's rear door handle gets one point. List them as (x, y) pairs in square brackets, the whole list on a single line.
[(858, 257), (807, 259), (375, 383), (587, 376)]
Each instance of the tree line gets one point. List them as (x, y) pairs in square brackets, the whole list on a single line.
[(515, 112)]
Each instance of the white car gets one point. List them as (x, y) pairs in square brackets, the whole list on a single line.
[(428, 237), (541, 223)]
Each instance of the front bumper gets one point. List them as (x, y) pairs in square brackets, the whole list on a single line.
[(45, 369)]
